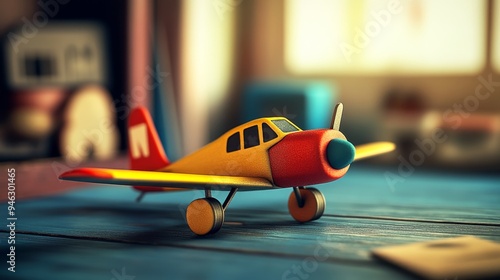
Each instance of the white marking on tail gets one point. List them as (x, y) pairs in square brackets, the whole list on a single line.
[(139, 142)]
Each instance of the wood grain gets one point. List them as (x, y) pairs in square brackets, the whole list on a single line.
[(93, 230)]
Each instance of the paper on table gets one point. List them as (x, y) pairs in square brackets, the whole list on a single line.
[(453, 258)]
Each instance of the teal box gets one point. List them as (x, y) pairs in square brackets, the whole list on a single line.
[(307, 104)]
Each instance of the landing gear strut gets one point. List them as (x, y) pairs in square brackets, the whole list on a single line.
[(306, 204)]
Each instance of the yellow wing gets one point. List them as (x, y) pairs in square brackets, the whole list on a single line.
[(165, 179), (373, 149)]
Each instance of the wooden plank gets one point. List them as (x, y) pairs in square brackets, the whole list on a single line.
[(469, 198), (362, 213), (45, 257), (344, 239), (99, 215)]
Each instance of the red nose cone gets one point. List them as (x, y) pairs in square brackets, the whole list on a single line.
[(301, 158)]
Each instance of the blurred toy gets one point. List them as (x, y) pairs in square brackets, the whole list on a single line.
[(33, 117), (469, 142), (62, 54), (58, 104), (307, 103), (263, 154), (27, 131), (89, 126)]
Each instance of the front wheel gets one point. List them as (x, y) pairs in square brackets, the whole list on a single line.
[(312, 208)]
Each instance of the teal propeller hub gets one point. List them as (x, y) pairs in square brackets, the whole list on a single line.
[(340, 153)]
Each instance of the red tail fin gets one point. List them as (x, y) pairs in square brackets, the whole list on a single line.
[(145, 149)]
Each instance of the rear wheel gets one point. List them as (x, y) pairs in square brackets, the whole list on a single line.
[(205, 216), (313, 205)]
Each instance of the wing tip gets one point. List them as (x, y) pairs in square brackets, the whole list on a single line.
[(390, 146), (85, 173), (374, 149)]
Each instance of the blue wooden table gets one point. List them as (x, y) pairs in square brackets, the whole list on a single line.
[(99, 232)]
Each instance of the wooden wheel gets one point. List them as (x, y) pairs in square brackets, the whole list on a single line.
[(205, 216), (313, 205)]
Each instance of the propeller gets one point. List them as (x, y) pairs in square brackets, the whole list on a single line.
[(337, 116), (340, 153)]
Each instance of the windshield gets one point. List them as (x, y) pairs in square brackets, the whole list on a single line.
[(285, 125)]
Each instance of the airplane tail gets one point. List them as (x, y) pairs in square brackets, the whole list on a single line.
[(144, 146)]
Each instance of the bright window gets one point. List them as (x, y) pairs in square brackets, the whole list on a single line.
[(385, 36), (496, 36)]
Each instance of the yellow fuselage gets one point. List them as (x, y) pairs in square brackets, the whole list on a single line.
[(213, 159)]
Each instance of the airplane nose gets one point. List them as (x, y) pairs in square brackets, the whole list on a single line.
[(340, 153)]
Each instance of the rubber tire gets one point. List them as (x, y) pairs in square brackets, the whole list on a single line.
[(205, 216), (313, 208)]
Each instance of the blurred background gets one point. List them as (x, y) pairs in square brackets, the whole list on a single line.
[(424, 74)]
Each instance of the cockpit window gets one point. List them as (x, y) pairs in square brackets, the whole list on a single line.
[(251, 136), (285, 125), (268, 132), (233, 143)]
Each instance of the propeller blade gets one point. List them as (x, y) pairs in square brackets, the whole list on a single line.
[(337, 116), (373, 149)]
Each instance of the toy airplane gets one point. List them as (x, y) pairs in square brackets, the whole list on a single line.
[(263, 154)]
